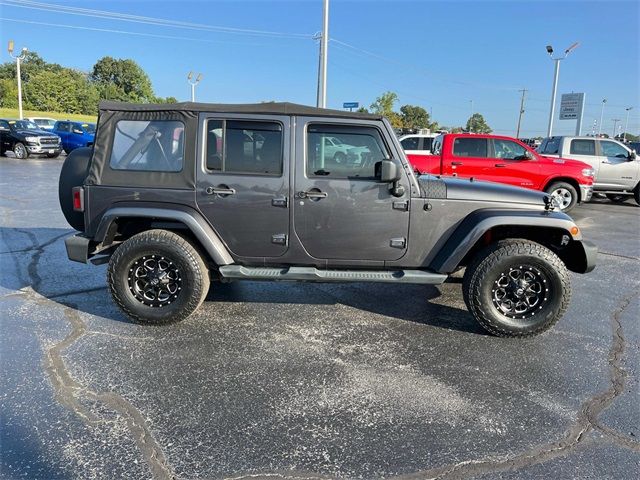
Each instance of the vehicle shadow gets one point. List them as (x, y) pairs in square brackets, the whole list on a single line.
[(34, 257)]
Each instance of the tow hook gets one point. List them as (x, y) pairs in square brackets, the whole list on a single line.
[(548, 203)]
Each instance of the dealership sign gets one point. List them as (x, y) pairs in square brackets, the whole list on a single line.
[(571, 106)]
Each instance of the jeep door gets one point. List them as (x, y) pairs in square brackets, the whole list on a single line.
[(242, 183), (617, 170), (340, 210)]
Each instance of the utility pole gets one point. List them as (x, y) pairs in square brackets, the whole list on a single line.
[(556, 74), (615, 123), (604, 100), (524, 91), (322, 67), (193, 82), (626, 124), (18, 58)]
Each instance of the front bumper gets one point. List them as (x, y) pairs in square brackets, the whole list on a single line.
[(590, 256), (77, 248), (586, 192), (44, 149)]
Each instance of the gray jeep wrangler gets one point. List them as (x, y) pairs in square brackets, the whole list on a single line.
[(176, 196)]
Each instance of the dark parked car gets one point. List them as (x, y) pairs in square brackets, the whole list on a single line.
[(75, 134), (25, 138), (174, 197)]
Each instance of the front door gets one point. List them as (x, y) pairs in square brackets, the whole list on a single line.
[(510, 165), (243, 182), (340, 210), (617, 170)]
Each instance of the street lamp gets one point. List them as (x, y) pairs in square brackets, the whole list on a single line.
[(555, 81), (626, 124), (18, 58), (193, 82), (604, 100)]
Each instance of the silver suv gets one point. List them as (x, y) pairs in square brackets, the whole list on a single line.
[(616, 165)]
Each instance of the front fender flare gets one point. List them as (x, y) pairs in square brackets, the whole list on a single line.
[(207, 237), (477, 223)]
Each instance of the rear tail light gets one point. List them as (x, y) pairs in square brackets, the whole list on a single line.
[(78, 199)]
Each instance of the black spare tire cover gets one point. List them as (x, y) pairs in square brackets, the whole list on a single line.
[(74, 170)]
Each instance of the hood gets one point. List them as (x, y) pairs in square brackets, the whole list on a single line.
[(567, 162), (35, 133), (474, 190)]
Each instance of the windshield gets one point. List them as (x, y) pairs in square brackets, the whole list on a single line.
[(43, 122), (23, 125)]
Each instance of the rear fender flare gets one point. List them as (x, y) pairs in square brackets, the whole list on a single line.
[(476, 224), (202, 231)]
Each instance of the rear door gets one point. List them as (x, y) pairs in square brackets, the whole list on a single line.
[(584, 149), (616, 171), (469, 157), (5, 137), (340, 210), (243, 181)]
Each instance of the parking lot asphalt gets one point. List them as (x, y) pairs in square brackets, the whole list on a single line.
[(295, 380)]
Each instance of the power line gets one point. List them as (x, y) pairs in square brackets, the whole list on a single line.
[(124, 17)]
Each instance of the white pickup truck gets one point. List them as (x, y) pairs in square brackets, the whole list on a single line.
[(616, 165)]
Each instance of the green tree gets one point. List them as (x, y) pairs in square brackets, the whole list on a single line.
[(384, 104), (363, 110), (124, 80), (477, 124), (414, 117), (8, 93), (65, 91)]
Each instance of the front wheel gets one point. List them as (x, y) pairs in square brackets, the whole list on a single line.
[(157, 277), (565, 194), (636, 194), (517, 288), (20, 151)]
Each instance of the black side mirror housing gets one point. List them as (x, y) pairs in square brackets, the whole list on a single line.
[(387, 171)]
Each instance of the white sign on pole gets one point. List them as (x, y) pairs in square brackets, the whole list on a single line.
[(571, 105)]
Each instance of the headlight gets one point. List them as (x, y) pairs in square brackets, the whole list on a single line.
[(31, 139), (588, 172)]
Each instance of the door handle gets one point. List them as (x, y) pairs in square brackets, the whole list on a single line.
[(500, 165), (312, 195), (221, 190), (456, 163)]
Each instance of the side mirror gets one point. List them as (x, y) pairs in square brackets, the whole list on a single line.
[(387, 171), (529, 155), (633, 155)]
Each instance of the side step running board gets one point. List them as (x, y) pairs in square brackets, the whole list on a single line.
[(312, 274)]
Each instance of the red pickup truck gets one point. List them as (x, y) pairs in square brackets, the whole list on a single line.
[(507, 160)]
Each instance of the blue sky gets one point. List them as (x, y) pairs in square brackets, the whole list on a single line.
[(436, 54)]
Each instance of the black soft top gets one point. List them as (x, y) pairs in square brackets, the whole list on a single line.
[(271, 108)]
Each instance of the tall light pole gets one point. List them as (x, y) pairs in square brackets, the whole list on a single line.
[(615, 123), (556, 73), (193, 82), (626, 124), (18, 58), (322, 64), (604, 100)]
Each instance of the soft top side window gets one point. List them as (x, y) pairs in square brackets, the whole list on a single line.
[(355, 151), (148, 145)]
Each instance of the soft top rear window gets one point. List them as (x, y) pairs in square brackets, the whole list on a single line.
[(156, 145)]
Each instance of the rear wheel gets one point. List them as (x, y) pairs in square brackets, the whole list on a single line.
[(565, 194), (20, 151), (617, 198), (157, 277), (517, 288)]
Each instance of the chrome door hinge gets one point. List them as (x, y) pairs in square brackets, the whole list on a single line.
[(280, 239)]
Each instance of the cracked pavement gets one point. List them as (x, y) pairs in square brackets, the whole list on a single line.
[(283, 380)]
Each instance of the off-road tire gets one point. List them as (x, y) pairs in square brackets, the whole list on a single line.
[(567, 187), (20, 151), (193, 274), (482, 275)]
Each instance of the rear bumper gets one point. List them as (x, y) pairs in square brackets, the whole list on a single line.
[(586, 192), (77, 248)]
